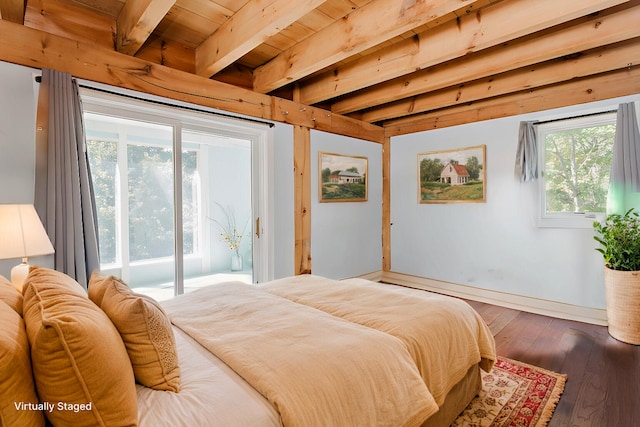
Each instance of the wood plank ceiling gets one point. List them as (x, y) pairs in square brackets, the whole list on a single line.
[(405, 65)]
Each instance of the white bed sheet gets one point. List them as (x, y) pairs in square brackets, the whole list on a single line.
[(211, 394)]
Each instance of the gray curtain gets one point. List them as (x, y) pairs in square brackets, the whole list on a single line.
[(67, 206), (624, 182), (527, 155)]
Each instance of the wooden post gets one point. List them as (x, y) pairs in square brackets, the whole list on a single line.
[(302, 198), (386, 204)]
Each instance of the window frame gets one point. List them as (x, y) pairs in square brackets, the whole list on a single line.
[(565, 219)]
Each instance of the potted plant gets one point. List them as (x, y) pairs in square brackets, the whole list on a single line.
[(619, 238)]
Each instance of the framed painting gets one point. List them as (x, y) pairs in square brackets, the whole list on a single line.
[(342, 178), (452, 176)]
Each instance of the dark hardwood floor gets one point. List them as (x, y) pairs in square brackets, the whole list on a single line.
[(603, 386)]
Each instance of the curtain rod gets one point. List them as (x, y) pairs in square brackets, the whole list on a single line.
[(168, 104), (576, 117)]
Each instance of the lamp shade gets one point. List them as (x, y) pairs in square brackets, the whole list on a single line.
[(22, 234)]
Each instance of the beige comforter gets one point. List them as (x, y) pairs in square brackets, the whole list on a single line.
[(314, 368), (444, 335), (211, 395)]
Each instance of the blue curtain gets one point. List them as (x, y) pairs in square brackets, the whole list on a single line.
[(624, 183)]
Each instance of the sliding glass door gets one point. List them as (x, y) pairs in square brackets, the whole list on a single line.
[(217, 208), (143, 167), (132, 171)]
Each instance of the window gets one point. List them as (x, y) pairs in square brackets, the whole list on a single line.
[(132, 169), (139, 155), (575, 159)]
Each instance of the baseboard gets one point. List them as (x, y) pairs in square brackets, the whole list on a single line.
[(518, 302), (375, 276)]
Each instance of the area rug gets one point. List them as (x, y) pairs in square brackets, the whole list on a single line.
[(514, 394)]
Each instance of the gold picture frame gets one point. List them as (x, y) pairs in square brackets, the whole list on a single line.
[(342, 178), (453, 176)]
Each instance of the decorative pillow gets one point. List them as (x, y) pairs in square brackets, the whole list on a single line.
[(79, 361), (10, 295), (18, 399), (145, 330)]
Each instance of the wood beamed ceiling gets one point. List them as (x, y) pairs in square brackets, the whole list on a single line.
[(364, 68)]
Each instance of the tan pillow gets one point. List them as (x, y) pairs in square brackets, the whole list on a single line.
[(145, 330), (10, 295), (16, 379), (78, 358)]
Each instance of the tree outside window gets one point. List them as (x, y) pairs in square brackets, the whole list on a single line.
[(577, 160)]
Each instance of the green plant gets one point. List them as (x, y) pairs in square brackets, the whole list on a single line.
[(619, 237)]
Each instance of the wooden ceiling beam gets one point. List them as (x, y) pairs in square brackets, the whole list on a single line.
[(362, 29), (598, 61), (616, 25), (594, 88), (136, 22), (63, 19), (169, 54), (33, 48), (247, 29), (496, 24), (13, 10)]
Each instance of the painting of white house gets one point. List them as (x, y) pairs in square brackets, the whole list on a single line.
[(452, 176), (342, 178)]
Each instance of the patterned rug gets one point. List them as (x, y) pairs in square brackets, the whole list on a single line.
[(514, 394)]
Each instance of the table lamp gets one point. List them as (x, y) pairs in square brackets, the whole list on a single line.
[(22, 235)]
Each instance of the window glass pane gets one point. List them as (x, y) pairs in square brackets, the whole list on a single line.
[(150, 202), (190, 202), (576, 168), (103, 157), (132, 170), (217, 218), (133, 166)]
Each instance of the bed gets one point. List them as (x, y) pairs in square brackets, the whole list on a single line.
[(458, 380), (304, 350)]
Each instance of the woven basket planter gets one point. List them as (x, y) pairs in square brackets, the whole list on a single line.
[(623, 304)]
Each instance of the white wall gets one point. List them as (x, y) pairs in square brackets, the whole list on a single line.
[(494, 245), (346, 236), (17, 144), (17, 133)]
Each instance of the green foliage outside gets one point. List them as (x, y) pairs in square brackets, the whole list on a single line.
[(190, 221), (103, 159), (150, 202), (150, 199), (619, 238), (577, 169)]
